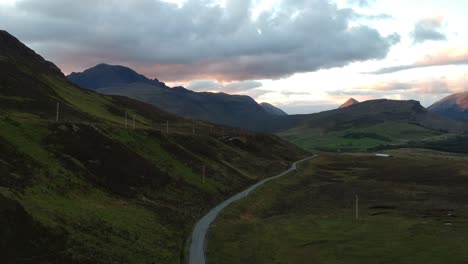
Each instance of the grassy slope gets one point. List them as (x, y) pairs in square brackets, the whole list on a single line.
[(87, 190), (448, 143), (359, 139), (368, 125), (413, 209)]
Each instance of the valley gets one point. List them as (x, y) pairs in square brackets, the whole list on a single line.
[(412, 209), (108, 165)]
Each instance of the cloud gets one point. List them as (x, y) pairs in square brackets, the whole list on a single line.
[(352, 92), (204, 85), (440, 86), (361, 3), (426, 91), (428, 29), (392, 86), (434, 87), (197, 40), (215, 86), (289, 93), (257, 93), (242, 86), (306, 106), (376, 17), (440, 58)]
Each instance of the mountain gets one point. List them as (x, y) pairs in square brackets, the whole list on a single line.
[(354, 126), (113, 180), (273, 110), (104, 75), (453, 106), (350, 102), (365, 126), (234, 110)]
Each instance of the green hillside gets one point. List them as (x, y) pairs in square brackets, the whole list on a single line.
[(368, 125), (360, 139), (91, 187)]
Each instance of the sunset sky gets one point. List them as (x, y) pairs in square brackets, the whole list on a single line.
[(303, 56)]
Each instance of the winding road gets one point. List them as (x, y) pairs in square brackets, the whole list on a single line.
[(197, 246)]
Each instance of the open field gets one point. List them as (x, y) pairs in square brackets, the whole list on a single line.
[(413, 209)]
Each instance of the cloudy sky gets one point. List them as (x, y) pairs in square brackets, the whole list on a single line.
[(302, 55)]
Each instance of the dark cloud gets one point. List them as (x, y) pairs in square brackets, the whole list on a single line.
[(199, 40), (428, 29)]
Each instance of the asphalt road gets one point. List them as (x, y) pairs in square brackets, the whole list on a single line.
[(197, 246)]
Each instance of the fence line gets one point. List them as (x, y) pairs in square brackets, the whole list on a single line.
[(182, 128)]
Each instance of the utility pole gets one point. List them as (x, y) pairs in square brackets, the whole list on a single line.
[(204, 174), (57, 115), (357, 206), (167, 126), (126, 119)]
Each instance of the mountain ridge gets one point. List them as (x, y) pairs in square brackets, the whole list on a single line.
[(234, 110), (273, 109)]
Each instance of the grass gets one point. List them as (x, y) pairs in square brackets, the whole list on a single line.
[(60, 199), (449, 143), (87, 101), (66, 197), (358, 139), (104, 228), (412, 210)]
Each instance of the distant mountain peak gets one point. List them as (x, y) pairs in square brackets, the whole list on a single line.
[(453, 106), (105, 75), (273, 110), (350, 102), (457, 101)]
